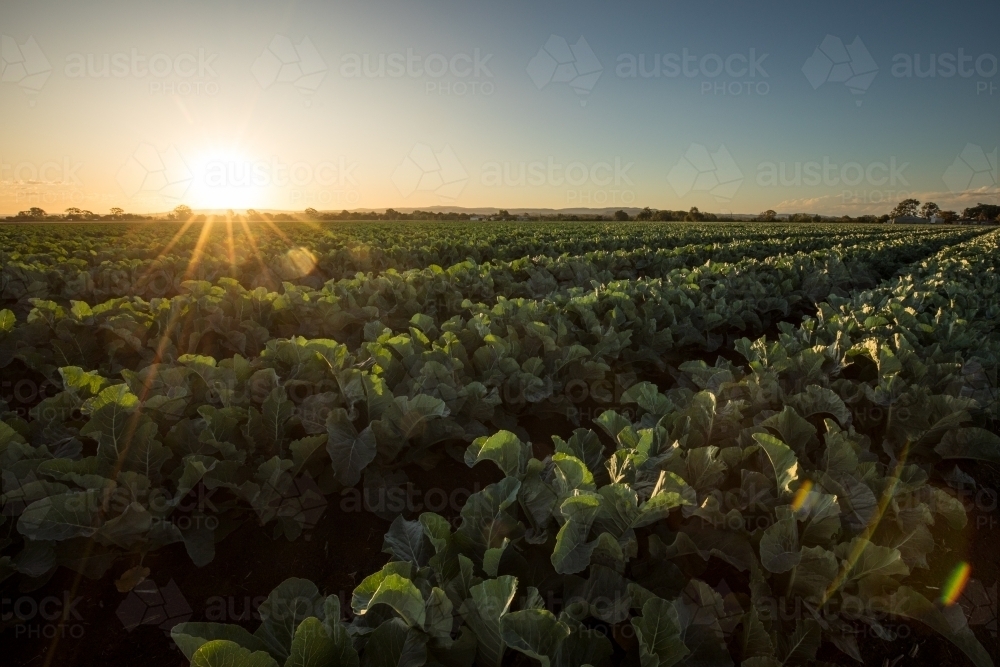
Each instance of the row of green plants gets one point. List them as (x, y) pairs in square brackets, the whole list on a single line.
[(699, 306), (93, 268)]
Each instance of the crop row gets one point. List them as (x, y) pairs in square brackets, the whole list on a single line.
[(80, 269)]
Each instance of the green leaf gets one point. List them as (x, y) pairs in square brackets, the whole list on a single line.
[(658, 507), (779, 546), (571, 474), (799, 646), (350, 452), (7, 320), (312, 646), (189, 637), (491, 559), (400, 594), (61, 517), (85, 383), (820, 400), (658, 631), (861, 558), (406, 541), (813, 574), (701, 410), (783, 461), (970, 443), (276, 410), (436, 528), (344, 653), (379, 395), (483, 612), (365, 591), (222, 653), (439, 616), (572, 551), (485, 520), (792, 428), (754, 640), (535, 632), (649, 398), (111, 423), (909, 603), (503, 448), (585, 445), (292, 601), (392, 644)]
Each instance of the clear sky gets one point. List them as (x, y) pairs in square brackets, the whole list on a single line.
[(829, 107)]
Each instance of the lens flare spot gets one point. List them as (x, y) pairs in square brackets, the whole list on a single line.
[(298, 262), (955, 584), (803, 497)]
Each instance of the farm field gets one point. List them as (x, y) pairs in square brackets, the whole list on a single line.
[(494, 444)]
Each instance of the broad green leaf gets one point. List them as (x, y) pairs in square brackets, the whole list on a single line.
[(782, 458), (285, 607), (483, 612), (649, 398), (571, 475), (61, 517), (189, 637), (585, 445), (379, 395), (222, 653), (392, 644), (365, 591), (535, 632), (813, 574), (701, 411), (400, 594), (820, 400), (909, 603), (439, 616), (111, 422), (406, 541), (658, 632), (572, 551), (970, 443), (779, 546), (436, 528), (861, 558), (491, 559), (485, 520), (793, 429), (312, 646), (799, 646), (503, 448), (85, 383), (754, 640), (658, 507), (344, 653), (350, 452)]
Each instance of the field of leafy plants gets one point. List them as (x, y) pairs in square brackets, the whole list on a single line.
[(458, 444)]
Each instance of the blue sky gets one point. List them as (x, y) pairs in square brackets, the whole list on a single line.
[(259, 104)]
